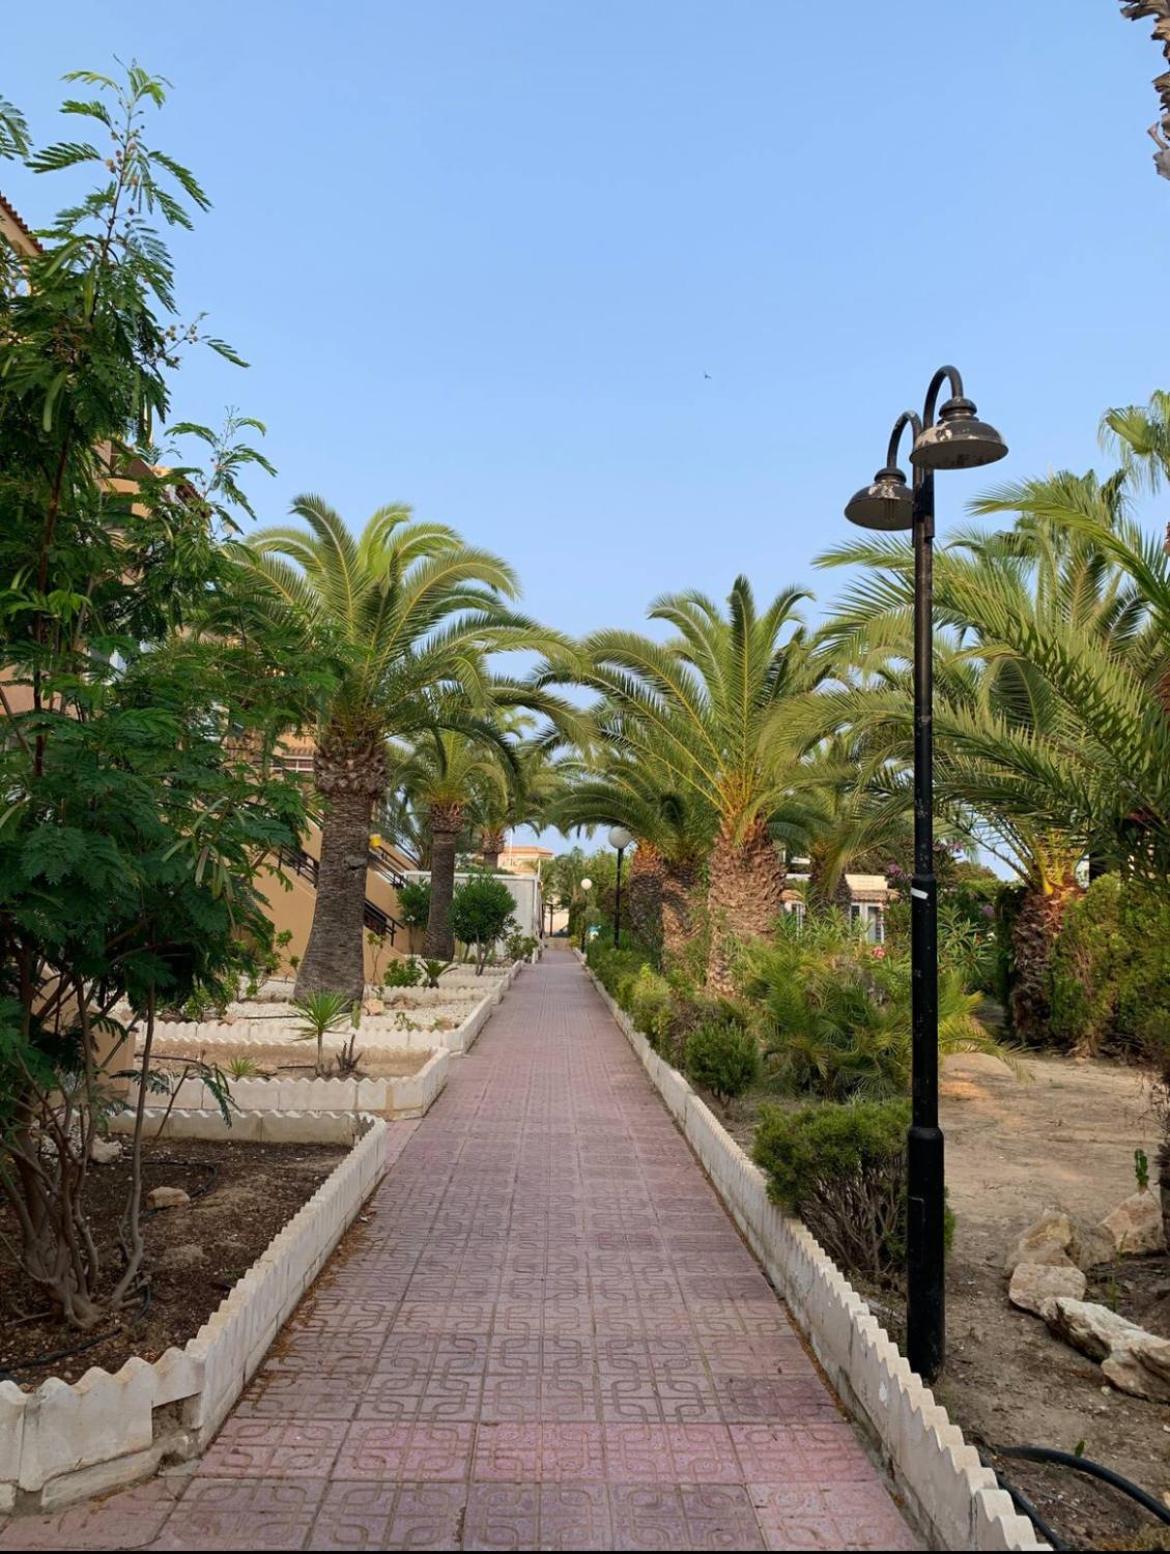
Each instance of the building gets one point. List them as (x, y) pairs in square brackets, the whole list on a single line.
[(869, 897)]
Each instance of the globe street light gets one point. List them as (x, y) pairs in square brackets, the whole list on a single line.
[(586, 886), (955, 440), (620, 838)]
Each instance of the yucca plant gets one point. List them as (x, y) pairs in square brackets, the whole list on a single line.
[(322, 1014)]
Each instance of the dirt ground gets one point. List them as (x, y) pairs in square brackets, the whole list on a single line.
[(1060, 1133), (242, 1195), (1065, 1135)]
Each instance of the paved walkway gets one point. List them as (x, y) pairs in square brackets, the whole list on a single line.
[(548, 1336)]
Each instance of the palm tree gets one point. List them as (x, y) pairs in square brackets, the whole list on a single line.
[(442, 776), (405, 614), (672, 826), (711, 705), (1050, 738)]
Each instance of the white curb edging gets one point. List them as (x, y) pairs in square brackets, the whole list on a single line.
[(409, 1095), (64, 1442), (952, 1498)]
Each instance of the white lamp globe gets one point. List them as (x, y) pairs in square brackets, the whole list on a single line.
[(586, 884), (619, 837)]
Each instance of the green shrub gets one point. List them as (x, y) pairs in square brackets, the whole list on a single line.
[(414, 903), (649, 1003), (842, 1169), (1109, 972), (836, 1011), (723, 1057), (402, 973), (481, 912)]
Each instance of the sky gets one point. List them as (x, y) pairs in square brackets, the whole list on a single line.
[(631, 292)]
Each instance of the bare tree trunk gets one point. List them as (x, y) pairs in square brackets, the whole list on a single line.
[(334, 956), (439, 943), (744, 892)]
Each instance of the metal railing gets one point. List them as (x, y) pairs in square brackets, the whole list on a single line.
[(373, 917)]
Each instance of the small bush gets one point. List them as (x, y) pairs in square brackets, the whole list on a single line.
[(649, 1004), (723, 1057), (481, 913), (842, 1169), (402, 973), (414, 903)]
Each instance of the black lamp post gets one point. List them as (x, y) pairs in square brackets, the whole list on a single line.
[(955, 440), (620, 838)]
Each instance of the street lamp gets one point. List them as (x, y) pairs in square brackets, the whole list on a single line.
[(586, 886), (955, 440), (620, 838)]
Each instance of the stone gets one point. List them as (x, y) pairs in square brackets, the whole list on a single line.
[(1141, 1367), (1094, 1330), (1091, 1246), (1035, 1286), (1136, 1224), (373, 1006), (189, 1255), (104, 1151), (167, 1198), (1045, 1241)]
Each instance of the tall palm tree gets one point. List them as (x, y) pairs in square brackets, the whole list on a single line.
[(443, 776), (711, 702), (406, 613)]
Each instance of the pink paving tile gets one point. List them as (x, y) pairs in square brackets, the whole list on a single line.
[(243, 1514), (510, 1453), (260, 1448), (354, 1516), (130, 1519), (549, 1335), (575, 1516)]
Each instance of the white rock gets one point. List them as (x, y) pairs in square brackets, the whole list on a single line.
[(1045, 1241), (104, 1151), (1035, 1286), (1091, 1246), (1136, 1224), (168, 1198), (1141, 1366), (1094, 1330)]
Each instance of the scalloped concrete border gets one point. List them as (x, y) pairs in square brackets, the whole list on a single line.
[(64, 1442), (410, 1095), (951, 1497), (376, 1029)]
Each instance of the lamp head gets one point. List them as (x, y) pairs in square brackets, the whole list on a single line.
[(886, 504), (586, 884), (957, 440), (619, 837)]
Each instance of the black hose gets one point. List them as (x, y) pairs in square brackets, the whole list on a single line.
[(1068, 1459), (1025, 1507)]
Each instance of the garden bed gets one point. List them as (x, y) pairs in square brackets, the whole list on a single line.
[(242, 1195), (1065, 1134)]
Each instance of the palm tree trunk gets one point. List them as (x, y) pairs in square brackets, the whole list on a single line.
[(491, 846), (334, 955), (678, 925), (1033, 938), (446, 824), (744, 894), (646, 875), (350, 774)]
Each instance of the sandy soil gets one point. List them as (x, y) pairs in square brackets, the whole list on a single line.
[(1065, 1135)]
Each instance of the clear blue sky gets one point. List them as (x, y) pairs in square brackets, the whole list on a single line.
[(482, 255)]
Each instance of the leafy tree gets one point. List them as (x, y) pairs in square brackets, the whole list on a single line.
[(142, 703), (481, 910)]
